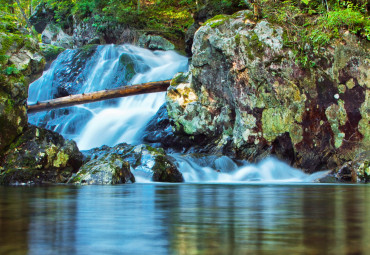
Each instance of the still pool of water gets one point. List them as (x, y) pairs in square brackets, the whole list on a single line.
[(186, 219)]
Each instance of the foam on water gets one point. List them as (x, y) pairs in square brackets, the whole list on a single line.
[(224, 170)]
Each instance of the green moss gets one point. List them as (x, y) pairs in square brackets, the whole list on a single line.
[(4, 59), (129, 66), (9, 40), (155, 151), (179, 78), (61, 159), (237, 39), (50, 52), (217, 20), (337, 116), (276, 121), (363, 125)]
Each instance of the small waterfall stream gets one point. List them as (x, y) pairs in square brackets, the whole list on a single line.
[(109, 122), (121, 120)]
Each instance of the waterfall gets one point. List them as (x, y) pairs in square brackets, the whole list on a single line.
[(92, 69), (120, 120)]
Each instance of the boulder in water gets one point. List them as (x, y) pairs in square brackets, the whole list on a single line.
[(125, 163), (40, 156), (357, 170)]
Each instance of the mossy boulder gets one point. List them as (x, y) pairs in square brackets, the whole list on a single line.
[(126, 163), (50, 52), (40, 156), (249, 97)]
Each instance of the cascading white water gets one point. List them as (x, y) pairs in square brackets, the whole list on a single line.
[(213, 169), (113, 121)]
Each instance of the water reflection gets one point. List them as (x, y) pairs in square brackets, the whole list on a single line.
[(185, 219)]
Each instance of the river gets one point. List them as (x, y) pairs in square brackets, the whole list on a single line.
[(153, 218)]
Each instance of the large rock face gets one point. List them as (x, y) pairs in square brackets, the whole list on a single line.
[(40, 156), (20, 64), (247, 95)]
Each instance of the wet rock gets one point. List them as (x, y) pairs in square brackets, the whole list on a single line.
[(357, 170), (124, 163), (40, 156), (160, 133), (155, 42), (69, 78), (248, 97)]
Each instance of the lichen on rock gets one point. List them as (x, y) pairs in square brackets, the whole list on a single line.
[(40, 156), (247, 96)]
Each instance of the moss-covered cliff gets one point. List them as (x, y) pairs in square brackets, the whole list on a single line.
[(20, 63), (250, 96)]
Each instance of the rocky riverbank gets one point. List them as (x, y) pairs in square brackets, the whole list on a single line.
[(247, 95)]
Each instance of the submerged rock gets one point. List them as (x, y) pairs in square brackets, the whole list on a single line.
[(40, 156), (247, 96), (124, 163)]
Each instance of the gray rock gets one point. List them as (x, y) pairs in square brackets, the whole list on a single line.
[(155, 42), (53, 34)]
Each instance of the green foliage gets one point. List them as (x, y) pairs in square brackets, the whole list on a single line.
[(62, 11), (11, 70), (312, 24)]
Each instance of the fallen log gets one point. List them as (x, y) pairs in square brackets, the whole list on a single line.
[(144, 88)]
